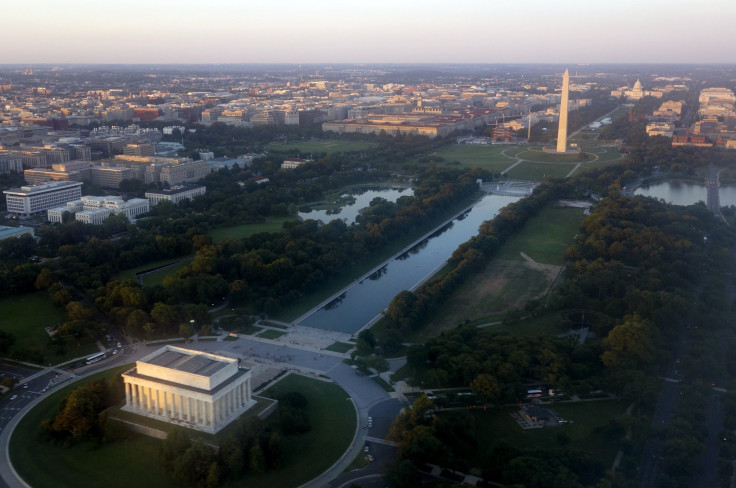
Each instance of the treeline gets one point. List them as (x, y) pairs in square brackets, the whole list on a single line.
[(253, 447), (80, 413), (268, 271), (452, 440)]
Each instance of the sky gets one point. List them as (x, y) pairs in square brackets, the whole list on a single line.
[(378, 31)]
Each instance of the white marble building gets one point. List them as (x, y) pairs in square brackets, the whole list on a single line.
[(198, 390)]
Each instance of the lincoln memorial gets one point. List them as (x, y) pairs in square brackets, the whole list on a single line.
[(198, 390)]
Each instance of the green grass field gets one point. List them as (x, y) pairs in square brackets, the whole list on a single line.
[(508, 282), (546, 237), (236, 232), (495, 426), (477, 154), (26, 317), (340, 347), (109, 465), (114, 465), (536, 165), (333, 420), (271, 334), (539, 171), (317, 147)]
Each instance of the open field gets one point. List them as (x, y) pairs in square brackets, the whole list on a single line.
[(114, 465), (317, 147), (586, 430), (534, 164), (543, 157), (546, 237), (486, 296), (510, 279), (478, 155), (534, 171), (236, 232), (25, 317)]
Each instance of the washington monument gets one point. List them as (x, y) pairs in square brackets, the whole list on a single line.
[(562, 131)]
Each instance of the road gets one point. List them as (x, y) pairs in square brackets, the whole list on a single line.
[(289, 352)]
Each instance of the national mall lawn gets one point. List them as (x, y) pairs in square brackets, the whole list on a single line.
[(135, 462)]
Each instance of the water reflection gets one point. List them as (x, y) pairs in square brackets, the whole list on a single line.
[(351, 205), (368, 297)]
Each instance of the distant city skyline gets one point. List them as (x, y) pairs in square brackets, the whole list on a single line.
[(336, 31)]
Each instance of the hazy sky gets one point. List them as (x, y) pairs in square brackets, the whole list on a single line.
[(334, 31)]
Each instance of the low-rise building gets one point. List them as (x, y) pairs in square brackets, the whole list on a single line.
[(175, 194), (660, 129), (292, 163), (94, 210)]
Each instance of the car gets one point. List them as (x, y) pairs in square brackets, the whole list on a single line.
[(367, 449), (369, 458), (14, 397), (25, 386)]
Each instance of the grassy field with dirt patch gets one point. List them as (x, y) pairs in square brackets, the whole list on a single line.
[(503, 285), (546, 237), (318, 147), (510, 280)]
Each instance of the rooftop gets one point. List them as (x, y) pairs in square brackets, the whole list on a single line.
[(195, 364)]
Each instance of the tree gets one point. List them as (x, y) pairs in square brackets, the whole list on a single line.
[(257, 459), (487, 386), (186, 330)]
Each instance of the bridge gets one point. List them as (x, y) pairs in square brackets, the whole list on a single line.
[(714, 203), (514, 188)]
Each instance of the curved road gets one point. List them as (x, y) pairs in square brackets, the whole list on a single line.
[(367, 396)]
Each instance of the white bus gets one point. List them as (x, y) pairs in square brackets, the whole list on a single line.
[(96, 357)]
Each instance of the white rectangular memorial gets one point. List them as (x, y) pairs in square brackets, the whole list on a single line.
[(195, 389)]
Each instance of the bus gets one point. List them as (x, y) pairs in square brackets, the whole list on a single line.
[(96, 357)]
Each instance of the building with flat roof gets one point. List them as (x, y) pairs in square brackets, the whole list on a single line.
[(32, 200), (195, 389), (175, 194), (94, 210), (10, 162)]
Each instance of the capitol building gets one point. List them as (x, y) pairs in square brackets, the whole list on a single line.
[(195, 389)]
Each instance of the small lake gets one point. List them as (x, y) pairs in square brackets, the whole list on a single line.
[(686, 192), (361, 303), (359, 201)]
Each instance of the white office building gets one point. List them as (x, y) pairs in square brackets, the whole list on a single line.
[(32, 200), (175, 194), (94, 210)]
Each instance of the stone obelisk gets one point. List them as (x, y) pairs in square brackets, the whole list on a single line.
[(562, 131)]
